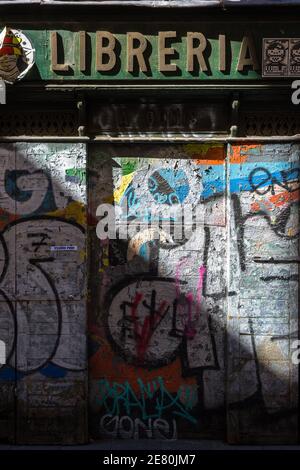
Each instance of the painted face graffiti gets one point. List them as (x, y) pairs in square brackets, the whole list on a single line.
[(16, 55)]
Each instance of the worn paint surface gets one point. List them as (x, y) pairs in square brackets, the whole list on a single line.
[(42, 293), (169, 315)]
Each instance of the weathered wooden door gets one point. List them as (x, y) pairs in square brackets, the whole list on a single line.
[(43, 273)]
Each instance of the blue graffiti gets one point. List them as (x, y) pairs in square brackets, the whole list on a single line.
[(8, 373), (152, 400), (248, 177), (11, 183), (168, 186)]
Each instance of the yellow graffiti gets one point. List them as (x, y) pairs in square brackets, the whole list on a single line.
[(104, 258), (201, 149), (82, 255), (118, 193), (74, 211)]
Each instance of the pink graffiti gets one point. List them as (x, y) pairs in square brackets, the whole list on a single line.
[(144, 332), (190, 331)]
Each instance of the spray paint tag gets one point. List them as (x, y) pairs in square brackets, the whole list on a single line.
[(64, 248)]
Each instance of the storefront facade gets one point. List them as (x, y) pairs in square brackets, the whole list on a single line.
[(145, 336)]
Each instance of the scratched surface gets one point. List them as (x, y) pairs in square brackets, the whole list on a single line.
[(42, 290), (168, 312)]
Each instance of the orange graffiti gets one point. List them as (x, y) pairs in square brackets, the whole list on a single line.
[(105, 363), (6, 218), (213, 156), (240, 153), (277, 200)]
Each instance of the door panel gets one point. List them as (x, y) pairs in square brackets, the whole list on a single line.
[(157, 323), (44, 240), (263, 314)]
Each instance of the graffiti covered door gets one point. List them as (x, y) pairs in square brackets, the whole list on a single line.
[(157, 325), (263, 312), (43, 290), (194, 328)]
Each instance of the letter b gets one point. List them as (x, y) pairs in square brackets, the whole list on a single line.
[(105, 51)]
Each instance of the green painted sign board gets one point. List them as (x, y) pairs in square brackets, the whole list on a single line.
[(201, 51)]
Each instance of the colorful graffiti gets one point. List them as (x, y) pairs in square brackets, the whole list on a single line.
[(115, 396), (187, 336), (149, 329), (136, 413), (178, 309), (42, 283)]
